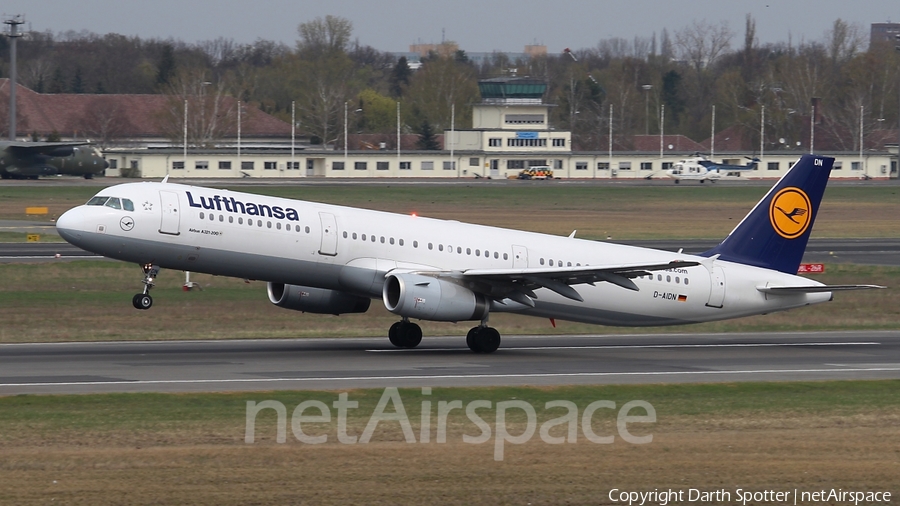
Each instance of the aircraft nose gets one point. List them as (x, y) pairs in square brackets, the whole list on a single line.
[(71, 224)]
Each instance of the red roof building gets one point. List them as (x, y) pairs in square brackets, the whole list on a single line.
[(113, 119)]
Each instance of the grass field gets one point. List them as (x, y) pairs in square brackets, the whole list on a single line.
[(190, 449), (597, 212), (91, 300)]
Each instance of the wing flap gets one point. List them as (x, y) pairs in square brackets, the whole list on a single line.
[(519, 284)]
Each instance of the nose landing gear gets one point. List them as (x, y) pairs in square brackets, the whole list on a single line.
[(143, 300)]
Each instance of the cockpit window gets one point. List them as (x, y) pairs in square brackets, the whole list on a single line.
[(97, 201), (114, 203), (127, 205)]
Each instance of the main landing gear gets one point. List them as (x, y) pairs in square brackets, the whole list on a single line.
[(480, 339), (405, 334), (483, 339), (144, 300)]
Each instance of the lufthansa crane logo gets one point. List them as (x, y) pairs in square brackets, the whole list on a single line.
[(790, 212)]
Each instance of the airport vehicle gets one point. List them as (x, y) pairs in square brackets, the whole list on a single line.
[(536, 173), (30, 160), (333, 259), (700, 168)]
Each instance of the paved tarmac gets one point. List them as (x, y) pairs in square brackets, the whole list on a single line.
[(344, 363)]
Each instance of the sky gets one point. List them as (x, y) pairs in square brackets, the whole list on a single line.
[(476, 25)]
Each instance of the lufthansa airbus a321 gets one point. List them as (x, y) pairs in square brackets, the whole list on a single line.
[(330, 259)]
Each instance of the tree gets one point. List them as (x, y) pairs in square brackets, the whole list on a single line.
[(57, 82), (438, 85), (323, 37), (166, 68), (211, 114), (427, 138), (78, 82), (400, 77), (378, 114)]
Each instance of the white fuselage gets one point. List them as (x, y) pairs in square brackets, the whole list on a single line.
[(351, 250)]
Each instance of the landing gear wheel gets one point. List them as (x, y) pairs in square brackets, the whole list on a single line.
[(142, 301), (483, 339), (405, 334), (394, 334)]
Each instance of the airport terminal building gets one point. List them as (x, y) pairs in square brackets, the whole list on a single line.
[(510, 133)]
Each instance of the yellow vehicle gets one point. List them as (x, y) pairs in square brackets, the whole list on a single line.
[(536, 173)]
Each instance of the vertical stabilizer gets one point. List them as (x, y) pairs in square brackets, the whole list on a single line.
[(775, 233)]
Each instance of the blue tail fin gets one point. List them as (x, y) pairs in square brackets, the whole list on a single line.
[(775, 233)]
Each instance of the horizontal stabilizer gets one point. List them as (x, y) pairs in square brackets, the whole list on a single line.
[(789, 290)]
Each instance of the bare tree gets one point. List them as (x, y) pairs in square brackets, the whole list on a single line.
[(702, 43), (211, 113)]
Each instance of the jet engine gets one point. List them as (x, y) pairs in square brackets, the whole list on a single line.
[(428, 298), (316, 300)]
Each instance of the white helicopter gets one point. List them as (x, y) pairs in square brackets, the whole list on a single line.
[(700, 168)]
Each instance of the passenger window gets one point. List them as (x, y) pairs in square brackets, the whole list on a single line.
[(431, 246), (259, 223), (401, 242), (114, 203), (221, 217), (459, 250), (307, 230), (496, 255), (231, 219), (128, 205), (345, 235), (542, 261), (354, 236), (97, 201), (364, 237), (202, 215), (686, 281), (478, 252), (440, 247), (382, 239), (269, 224), (415, 244), (677, 280), (551, 262), (659, 277), (212, 217), (668, 279), (373, 238), (391, 240), (505, 256), (278, 226), (240, 221)]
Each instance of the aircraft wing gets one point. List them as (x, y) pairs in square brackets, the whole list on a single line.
[(47, 148), (519, 284)]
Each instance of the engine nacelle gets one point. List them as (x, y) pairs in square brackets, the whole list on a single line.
[(427, 298), (316, 300)]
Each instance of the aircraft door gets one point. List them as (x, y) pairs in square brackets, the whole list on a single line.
[(717, 287), (329, 235), (520, 257), (170, 221)]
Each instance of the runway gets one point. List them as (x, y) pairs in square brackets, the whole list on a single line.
[(344, 363), (855, 251)]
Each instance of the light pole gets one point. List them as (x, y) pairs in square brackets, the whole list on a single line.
[(647, 88), (13, 35)]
